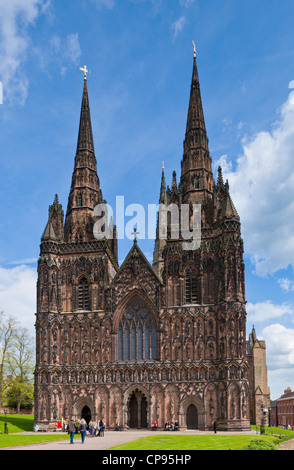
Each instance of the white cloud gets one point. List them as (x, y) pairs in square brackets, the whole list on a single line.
[(15, 18), (18, 294), (261, 186), (286, 285), (264, 311), (178, 26), (279, 345), (73, 49), (60, 53), (280, 357)]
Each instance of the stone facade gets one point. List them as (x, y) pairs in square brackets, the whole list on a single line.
[(137, 343), (259, 390)]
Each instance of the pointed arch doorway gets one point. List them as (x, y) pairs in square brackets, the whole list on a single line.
[(86, 414), (137, 410), (192, 417)]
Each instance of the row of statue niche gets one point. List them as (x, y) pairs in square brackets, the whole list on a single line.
[(145, 376), (166, 352), (188, 327), (69, 276), (188, 351), (86, 352), (83, 330)]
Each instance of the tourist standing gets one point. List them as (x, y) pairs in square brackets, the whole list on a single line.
[(94, 428), (71, 429), (83, 429), (101, 428), (91, 428)]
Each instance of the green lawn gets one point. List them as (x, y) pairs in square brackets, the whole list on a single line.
[(21, 423), (17, 423), (23, 440), (276, 431), (205, 442)]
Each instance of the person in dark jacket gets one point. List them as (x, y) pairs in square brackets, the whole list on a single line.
[(71, 429), (101, 428), (83, 429)]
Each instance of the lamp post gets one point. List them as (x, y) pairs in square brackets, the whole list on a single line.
[(269, 416), (263, 419), (5, 423)]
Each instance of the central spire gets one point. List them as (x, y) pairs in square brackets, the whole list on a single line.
[(85, 137), (196, 176), (195, 130), (85, 192)]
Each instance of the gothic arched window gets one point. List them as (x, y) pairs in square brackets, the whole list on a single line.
[(84, 294), (137, 337), (191, 286)]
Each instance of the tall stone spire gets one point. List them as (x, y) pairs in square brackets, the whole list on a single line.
[(158, 260), (162, 197), (85, 192), (85, 137), (195, 130), (196, 178)]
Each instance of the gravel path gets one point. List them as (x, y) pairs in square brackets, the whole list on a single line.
[(289, 445)]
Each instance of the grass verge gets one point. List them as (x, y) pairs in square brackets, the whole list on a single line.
[(204, 442)]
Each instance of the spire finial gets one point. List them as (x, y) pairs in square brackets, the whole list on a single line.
[(194, 49), (163, 165), (85, 70), (135, 233)]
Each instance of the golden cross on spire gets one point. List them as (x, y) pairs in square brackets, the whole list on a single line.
[(194, 48), (85, 70), (163, 165)]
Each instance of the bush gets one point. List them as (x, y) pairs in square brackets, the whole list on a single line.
[(261, 444)]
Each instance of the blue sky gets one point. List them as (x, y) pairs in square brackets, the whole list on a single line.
[(139, 54)]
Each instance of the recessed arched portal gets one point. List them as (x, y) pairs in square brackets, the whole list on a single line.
[(192, 417), (86, 414), (137, 410)]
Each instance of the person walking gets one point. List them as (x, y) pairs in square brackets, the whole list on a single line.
[(83, 429), (71, 429)]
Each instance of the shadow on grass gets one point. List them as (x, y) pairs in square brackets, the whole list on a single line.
[(17, 423)]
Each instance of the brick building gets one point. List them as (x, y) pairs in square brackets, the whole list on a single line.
[(282, 410), (139, 342)]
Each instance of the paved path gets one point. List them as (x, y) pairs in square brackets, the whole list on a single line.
[(110, 439), (289, 445)]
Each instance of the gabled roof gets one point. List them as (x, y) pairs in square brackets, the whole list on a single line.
[(135, 252)]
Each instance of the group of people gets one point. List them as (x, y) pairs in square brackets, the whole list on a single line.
[(173, 426), (93, 429)]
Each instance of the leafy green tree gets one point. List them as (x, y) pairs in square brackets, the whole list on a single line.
[(20, 395), (20, 366), (8, 328)]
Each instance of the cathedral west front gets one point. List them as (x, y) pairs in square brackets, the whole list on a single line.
[(139, 343)]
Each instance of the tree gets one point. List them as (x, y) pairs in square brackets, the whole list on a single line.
[(20, 365), (19, 395), (8, 328)]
